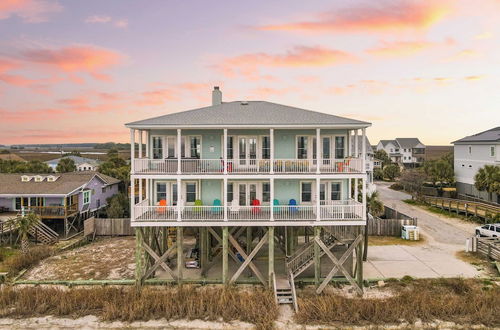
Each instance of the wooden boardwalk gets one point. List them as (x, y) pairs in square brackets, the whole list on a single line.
[(468, 208), (487, 246)]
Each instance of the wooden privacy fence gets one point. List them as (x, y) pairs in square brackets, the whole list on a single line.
[(477, 209), (487, 246), (107, 227), (388, 227), (390, 213)]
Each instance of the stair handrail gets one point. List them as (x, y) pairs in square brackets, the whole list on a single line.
[(48, 229), (294, 293)]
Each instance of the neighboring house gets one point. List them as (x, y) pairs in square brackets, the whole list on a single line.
[(470, 154), (264, 167), (409, 152), (370, 160), (61, 196), (82, 163)]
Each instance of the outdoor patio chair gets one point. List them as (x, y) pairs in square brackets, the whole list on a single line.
[(293, 206), (276, 207), (217, 206), (198, 205), (256, 206), (162, 209), (235, 207)]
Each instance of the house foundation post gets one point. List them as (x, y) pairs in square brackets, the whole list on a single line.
[(271, 254), (139, 256), (225, 253), (359, 264), (180, 253), (249, 240), (317, 257)]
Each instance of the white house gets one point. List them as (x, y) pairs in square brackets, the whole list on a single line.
[(471, 153), (409, 152), (82, 163), (370, 161)]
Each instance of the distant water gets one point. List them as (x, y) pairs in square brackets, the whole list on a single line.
[(59, 153)]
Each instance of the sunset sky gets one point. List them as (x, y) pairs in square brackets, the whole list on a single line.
[(76, 71)]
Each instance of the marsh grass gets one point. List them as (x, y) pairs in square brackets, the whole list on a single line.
[(456, 300), (19, 261), (209, 303)]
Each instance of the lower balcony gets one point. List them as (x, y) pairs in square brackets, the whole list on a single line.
[(344, 212)]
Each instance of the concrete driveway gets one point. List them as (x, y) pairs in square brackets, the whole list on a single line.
[(434, 258)]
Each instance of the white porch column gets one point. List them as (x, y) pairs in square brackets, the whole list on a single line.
[(140, 143), (147, 144), (363, 150), (356, 189), (140, 190), (364, 198), (180, 200), (349, 189), (224, 152), (356, 153), (224, 191), (132, 198), (147, 188), (318, 204), (271, 142), (318, 149), (271, 197), (349, 148), (132, 150), (179, 145)]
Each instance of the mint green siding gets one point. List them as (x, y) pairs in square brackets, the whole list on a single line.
[(284, 190), (211, 190), (284, 140)]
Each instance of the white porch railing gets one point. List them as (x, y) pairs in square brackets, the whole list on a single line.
[(250, 166), (336, 210)]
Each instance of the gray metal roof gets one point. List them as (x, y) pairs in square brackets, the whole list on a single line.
[(385, 142), (77, 159), (408, 143), (491, 135), (11, 183), (240, 113)]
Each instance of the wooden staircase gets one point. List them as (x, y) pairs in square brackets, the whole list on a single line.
[(303, 258), (43, 233), (284, 291)]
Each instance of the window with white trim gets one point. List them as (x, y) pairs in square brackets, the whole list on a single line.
[(86, 197), (306, 192), (492, 151), (190, 192), (302, 142), (157, 147), (266, 192)]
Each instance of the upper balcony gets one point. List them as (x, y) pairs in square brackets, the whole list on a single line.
[(251, 137), (251, 166)]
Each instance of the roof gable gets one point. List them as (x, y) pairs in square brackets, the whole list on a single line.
[(247, 113), (408, 143)]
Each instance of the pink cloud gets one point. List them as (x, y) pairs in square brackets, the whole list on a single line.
[(248, 64), (373, 16), (104, 19), (157, 97), (405, 48), (30, 11)]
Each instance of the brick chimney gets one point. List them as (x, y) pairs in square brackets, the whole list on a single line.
[(216, 96)]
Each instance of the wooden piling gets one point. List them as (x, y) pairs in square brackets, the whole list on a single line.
[(271, 254), (180, 252), (225, 253), (317, 257)]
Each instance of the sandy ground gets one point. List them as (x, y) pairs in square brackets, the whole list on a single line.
[(107, 258), (284, 322)]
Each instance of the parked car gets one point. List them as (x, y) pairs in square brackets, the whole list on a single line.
[(489, 230), (192, 259)]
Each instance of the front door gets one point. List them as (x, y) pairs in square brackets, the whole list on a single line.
[(247, 193), (247, 151), (329, 192), (166, 193)]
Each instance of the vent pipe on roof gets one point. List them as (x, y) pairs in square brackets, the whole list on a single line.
[(216, 96)]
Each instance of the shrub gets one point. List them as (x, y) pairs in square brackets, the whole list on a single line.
[(391, 172), (21, 261), (396, 186)]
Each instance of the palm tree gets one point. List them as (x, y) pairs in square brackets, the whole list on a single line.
[(374, 205), (24, 224), (487, 179)]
